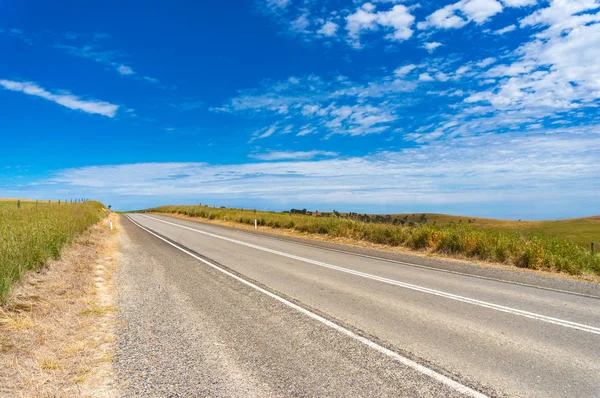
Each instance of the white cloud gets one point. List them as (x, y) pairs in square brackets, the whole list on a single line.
[(300, 24), (442, 77), (486, 62), (459, 14), (328, 29), (64, 98), (365, 19), (511, 169), (404, 70), (330, 107), (264, 133), (481, 10), (519, 3), (125, 70), (293, 155), (278, 4), (431, 46), (106, 58), (506, 29), (425, 77), (558, 69)]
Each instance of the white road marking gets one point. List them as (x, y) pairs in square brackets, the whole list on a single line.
[(389, 260), (497, 307), (403, 360)]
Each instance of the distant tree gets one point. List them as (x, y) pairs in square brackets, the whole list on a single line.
[(423, 219)]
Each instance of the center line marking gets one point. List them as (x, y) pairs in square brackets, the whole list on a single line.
[(461, 388), (485, 304)]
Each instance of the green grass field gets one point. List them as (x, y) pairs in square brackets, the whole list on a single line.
[(31, 235), (579, 230), (549, 245)]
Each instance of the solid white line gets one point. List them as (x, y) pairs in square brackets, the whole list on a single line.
[(497, 307), (389, 260), (403, 360)]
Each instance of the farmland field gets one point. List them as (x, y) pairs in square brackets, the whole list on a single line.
[(558, 246), (31, 235), (579, 230)]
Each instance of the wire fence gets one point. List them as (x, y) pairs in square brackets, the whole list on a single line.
[(49, 202)]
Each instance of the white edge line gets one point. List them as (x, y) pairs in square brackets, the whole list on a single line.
[(480, 303), (389, 260), (403, 360)]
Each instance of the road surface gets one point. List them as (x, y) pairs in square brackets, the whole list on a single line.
[(213, 311)]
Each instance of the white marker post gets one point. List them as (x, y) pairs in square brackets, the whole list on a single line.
[(111, 227), (255, 224)]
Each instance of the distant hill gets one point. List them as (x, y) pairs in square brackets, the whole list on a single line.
[(580, 230)]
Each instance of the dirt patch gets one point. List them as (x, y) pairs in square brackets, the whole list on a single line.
[(57, 329)]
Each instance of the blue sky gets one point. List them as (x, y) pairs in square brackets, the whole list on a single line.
[(474, 107)]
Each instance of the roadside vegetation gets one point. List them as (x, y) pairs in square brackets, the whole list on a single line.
[(514, 246), (32, 234), (579, 230)]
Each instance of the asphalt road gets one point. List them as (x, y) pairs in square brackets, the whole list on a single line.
[(213, 311)]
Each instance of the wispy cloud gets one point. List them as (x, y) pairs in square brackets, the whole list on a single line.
[(556, 71), (329, 106), (293, 155), (106, 58), (542, 167), (63, 98), (398, 21), (304, 19), (431, 46), (459, 14)]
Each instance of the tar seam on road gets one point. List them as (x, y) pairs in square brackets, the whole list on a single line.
[(497, 307), (403, 360)]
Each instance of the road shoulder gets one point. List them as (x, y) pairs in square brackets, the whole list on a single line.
[(57, 329)]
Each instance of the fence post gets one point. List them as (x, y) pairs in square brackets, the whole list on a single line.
[(18, 203), (36, 203), (59, 202), (592, 247)]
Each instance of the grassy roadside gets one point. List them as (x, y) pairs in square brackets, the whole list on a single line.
[(536, 251), (57, 326), (579, 230), (32, 235)]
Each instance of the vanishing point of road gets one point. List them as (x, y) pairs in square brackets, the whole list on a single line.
[(213, 311)]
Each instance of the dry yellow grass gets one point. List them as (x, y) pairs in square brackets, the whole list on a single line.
[(383, 247), (536, 251), (57, 327)]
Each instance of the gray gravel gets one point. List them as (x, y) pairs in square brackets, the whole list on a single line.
[(188, 330)]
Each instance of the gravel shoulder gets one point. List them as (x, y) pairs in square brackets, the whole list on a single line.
[(57, 328)]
